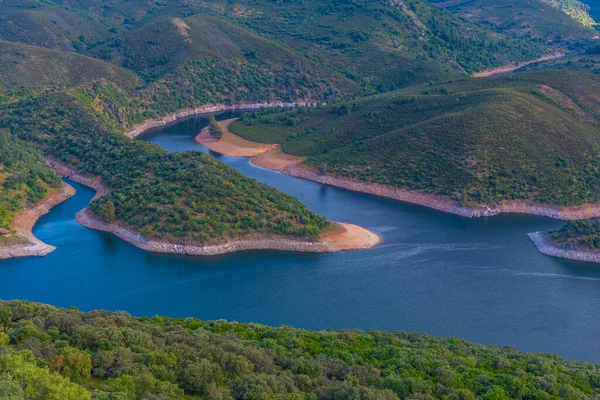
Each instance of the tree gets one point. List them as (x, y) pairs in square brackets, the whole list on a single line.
[(5, 318), (214, 129), (72, 363), (106, 211)]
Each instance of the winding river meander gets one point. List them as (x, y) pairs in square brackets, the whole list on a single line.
[(478, 279)]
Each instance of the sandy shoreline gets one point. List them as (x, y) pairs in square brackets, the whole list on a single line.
[(545, 247), (348, 237), (24, 224), (272, 157)]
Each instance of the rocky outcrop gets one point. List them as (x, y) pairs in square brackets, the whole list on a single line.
[(207, 109), (85, 219), (24, 225), (544, 246)]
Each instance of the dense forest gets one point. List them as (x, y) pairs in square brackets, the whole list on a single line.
[(183, 197), (48, 353)]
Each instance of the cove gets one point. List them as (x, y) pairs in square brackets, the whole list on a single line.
[(478, 279)]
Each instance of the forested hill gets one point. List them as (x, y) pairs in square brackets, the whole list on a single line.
[(48, 353), (413, 41), (532, 136), (75, 75)]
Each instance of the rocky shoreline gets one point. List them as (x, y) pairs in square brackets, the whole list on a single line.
[(24, 224), (139, 241), (349, 241), (444, 204), (207, 109), (545, 247)]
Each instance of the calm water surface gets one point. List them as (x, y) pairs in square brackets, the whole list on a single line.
[(478, 279)]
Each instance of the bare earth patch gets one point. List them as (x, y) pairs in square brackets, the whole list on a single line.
[(231, 144)]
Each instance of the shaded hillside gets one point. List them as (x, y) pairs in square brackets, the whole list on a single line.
[(412, 40), (543, 20), (206, 55), (58, 354), (529, 136), (35, 69)]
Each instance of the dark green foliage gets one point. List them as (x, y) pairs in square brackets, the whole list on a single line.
[(137, 358), (25, 178), (564, 23), (578, 235), (214, 129), (183, 197), (479, 141)]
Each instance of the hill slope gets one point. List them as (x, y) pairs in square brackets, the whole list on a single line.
[(532, 136), (36, 69), (542, 20), (412, 40)]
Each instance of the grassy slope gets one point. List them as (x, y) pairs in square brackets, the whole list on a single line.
[(525, 137), (36, 69), (534, 19), (68, 354)]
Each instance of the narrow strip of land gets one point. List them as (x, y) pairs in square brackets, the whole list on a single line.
[(546, 247)]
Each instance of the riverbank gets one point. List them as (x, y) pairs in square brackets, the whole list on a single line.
[(273, 157), (544, 246), (207, 109), (345, 237), (24, 223)]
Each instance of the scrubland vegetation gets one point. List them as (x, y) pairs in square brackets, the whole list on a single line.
[(58, 354)]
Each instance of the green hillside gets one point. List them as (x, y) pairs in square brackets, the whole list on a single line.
[(57, 354), (587, 61), (25, 179), (577, 235), (413, 41), (544, 20), (531, 136), (35, 69), (171, 197)]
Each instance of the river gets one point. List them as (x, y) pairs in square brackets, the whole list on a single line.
[(478, 279)]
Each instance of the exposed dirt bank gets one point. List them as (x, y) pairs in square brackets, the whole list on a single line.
[(206, 109), (231, 144), (506, 69), (545, 247), (346, 237), (24, 225), (274, 158)]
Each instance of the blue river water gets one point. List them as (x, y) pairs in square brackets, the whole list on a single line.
[(478, 279)]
